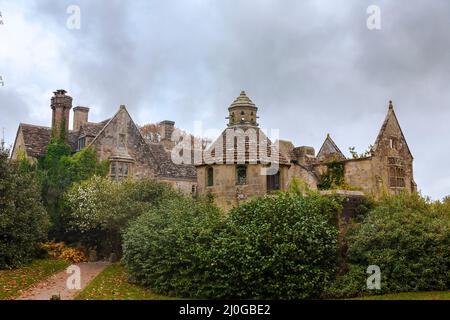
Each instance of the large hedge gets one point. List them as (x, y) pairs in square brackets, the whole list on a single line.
[(280, 246), (276, 247), (23, 219), (164, 248), (408, 237)]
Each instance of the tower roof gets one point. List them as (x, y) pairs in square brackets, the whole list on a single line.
[(392, 121), (243, 101)]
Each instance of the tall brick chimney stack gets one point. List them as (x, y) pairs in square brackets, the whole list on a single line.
[(166, 129), (61, 105), (80, 117)]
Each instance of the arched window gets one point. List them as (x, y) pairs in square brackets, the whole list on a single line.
[(241, 174), (210, 176)]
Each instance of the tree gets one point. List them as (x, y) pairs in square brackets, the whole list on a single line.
[(98, 210), (151, 132), (365, 154), (23, 219), (58, 170)]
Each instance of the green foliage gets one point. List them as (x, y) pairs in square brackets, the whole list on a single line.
[(334, 177), (23, 220), (276, 247), (99, 209), (58, 170), (164, 248), (280, 246), (408, 237)]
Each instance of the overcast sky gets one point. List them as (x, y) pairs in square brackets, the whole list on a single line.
[(312, 67)]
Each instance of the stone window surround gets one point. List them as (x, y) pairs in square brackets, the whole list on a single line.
[(209, 176), (81, 142), (116, 165), (241, 169), (396, 173)]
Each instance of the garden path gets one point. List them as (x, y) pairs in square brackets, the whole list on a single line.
[(66, 283)]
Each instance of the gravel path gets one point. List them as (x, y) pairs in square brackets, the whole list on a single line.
[(57, 283)]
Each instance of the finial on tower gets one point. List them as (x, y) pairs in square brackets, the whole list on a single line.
[(391, 106)]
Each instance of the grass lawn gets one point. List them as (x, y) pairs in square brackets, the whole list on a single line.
[(14, 281), (112, 284), (432, 295)]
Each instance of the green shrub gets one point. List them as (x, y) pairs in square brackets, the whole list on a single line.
[(164, 248), (99, 209), (23, 219), (280, 246), (276, 247), (408, 237)]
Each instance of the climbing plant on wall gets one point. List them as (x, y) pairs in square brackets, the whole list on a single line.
[(333, 177)]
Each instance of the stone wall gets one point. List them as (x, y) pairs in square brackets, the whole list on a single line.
[(225, 190), (185, 186)]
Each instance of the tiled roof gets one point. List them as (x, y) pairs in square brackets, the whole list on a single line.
[(255, 149), (36, 139), (92, 129), (167, 168)]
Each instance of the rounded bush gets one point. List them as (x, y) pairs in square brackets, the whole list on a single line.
[(163, 248), (276, 247), (281, 247), (408, 237)]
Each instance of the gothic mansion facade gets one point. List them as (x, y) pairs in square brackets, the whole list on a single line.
[(241, 163)]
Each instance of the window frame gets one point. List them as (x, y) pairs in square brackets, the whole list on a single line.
[(239, 169), (120, 170), (209, 176)]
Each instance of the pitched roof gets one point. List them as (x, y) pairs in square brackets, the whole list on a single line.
[(390, 116), (92, 129), (36, 139), (330, 150), (167, 168), (257, 148)]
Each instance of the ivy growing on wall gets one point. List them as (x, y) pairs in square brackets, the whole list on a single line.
[(333, 177)]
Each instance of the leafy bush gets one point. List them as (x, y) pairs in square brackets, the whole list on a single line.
[(408, 237), (164, 248), (276, 247), (23, 219), (58, 250), (279, 246), (99, 209)]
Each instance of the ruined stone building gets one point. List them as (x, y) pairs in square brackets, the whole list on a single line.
[(233, 168), (241, 163)]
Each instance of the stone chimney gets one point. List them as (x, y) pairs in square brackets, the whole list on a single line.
[(166, 129), (61, 105), (80, 117)]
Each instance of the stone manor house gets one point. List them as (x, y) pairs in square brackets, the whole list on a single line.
[(241, 163)]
